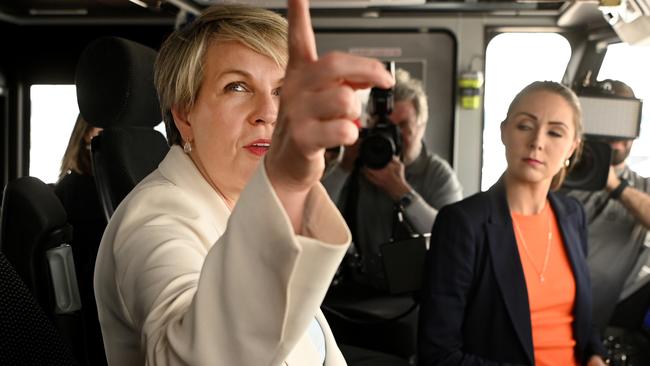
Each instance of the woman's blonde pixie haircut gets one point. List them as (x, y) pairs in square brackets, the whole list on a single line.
[(572, 99), (178, 72)]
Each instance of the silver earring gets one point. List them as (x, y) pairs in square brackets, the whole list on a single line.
[(187, 147)]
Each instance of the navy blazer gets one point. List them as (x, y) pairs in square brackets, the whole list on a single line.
[(474, 307)]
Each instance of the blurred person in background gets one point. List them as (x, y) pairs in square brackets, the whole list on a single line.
[(618, 219)]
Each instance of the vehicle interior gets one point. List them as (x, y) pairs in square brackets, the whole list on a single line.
[(472, 56)]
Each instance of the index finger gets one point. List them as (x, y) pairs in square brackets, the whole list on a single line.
[(302, 45)]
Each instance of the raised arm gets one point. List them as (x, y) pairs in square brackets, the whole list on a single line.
[(317, 109), (246, 299), (635, 201)]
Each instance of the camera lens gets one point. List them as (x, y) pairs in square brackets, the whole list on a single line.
[(377, 150), (382, 141), (591, 171)]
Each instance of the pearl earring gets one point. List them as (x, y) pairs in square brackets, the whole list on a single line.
[(187, 147), (567, 162)]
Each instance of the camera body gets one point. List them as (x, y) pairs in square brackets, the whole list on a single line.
[(383, 140)]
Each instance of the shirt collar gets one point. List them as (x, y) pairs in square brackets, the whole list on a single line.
[(178, 168), (420, 163)]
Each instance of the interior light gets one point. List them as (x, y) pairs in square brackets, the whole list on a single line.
[(140, 3)]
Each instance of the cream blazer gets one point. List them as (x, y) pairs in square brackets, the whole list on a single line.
[(180, 280)]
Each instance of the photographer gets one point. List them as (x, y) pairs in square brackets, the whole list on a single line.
[(417, 183), (618, 219)]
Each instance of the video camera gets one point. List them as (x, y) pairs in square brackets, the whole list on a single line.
[(383, 140), (606, 117)]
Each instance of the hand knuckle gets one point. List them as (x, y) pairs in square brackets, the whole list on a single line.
[(334, 55), (328, 61), (376, 66), (340, 99), (346, 100)]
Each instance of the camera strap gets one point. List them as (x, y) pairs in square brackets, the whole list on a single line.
[(600, 208), (350, 205), (402, 230)]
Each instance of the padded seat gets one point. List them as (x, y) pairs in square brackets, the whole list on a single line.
[(115, 91), (34, 238), (27, 336)]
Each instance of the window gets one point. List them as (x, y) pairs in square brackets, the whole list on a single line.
[(629, 65), (54, 112), (512, 61), (161, 128), (53, 115)]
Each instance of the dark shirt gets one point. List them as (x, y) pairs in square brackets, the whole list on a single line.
[(79, 197), (618, 247)]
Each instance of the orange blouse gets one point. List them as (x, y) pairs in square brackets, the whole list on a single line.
[(551, 287)]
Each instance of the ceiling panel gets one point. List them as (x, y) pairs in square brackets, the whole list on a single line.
[(42, 11)]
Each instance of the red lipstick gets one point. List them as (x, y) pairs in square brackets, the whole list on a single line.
[(532, 161), (259, 147)]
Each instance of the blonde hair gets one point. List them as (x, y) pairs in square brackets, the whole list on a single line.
[(572, 99), (77, 157), (179, 67), (409, 89)]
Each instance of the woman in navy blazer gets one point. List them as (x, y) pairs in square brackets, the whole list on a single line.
[(475, 307)]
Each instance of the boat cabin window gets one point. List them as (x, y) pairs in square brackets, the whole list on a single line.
[(54, 112), (512, 61)]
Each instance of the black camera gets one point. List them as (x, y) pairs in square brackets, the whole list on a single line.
[(591, 171), (607, 117), (383, 140)]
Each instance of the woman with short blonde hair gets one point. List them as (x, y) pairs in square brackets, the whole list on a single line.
[(224, 253), (179, 69)]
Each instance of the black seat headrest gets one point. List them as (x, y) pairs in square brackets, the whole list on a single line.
[(115, 87)]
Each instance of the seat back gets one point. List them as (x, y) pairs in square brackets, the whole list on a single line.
[(122, 157), (115, 91), (34, 237), (27, 336)]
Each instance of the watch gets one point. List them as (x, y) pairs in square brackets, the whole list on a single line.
[(616, 193), (406, 199)]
